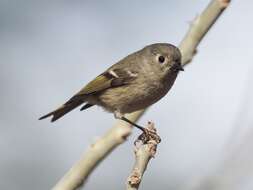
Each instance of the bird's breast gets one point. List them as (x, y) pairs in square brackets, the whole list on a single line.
[(137, 95)]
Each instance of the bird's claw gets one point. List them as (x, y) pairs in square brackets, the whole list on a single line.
[(147, 136)]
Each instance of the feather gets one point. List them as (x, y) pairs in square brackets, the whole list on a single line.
[(86, 106), (61, 111)]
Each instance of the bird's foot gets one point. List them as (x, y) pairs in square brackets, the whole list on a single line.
[(148, 134)]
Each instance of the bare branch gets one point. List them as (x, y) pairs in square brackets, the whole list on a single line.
[(119, 133), (144, 151), (78, 174), (199, 27)]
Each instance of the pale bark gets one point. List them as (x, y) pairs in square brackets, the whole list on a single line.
[(78, 174), (143, 151)]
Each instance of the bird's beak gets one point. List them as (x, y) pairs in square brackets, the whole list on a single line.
[(177, 67), (180, 68)]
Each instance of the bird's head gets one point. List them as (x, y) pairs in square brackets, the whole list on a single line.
[(165, 56)]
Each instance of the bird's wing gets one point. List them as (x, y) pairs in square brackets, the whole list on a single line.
[(101, 82), (114, 77), (109, 79)]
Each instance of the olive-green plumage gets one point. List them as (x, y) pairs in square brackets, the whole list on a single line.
[(134, 83)]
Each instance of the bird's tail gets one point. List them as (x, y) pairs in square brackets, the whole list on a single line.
[(64, 109)]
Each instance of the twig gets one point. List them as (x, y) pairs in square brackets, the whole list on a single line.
[(144, 151), (119, 133)]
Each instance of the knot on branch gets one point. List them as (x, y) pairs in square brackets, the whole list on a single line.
[(135, 178)]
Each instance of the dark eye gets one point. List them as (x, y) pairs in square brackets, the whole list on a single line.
[(161, 59)]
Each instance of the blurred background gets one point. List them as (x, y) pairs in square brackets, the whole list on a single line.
[(50, 49)]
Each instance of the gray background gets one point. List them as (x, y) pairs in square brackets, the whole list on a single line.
[(50, 49)]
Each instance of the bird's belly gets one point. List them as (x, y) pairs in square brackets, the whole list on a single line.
[(147, 97), (130, 98)]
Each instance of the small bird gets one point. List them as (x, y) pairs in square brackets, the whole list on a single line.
[(135, 82)]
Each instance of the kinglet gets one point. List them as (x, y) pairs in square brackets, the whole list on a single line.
[(136, 82)]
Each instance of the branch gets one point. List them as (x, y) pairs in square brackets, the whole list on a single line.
[(199, 27), (144, 151), (78, 174), (119, 133)]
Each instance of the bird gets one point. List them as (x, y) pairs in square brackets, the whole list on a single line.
[(133, 83)]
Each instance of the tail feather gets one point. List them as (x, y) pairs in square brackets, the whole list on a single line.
[(61, 111), (86, 106)]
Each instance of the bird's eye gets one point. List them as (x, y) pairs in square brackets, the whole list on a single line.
[(161, 59)]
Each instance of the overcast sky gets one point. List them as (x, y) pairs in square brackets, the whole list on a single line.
[(50, 49)]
